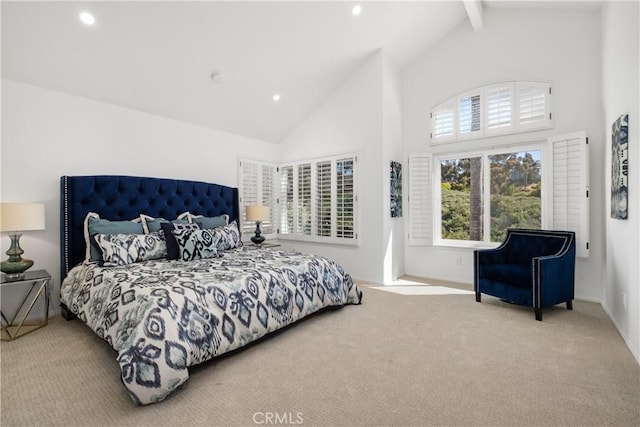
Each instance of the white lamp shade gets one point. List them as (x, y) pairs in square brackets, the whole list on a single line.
[(21, 216), (257, 213)]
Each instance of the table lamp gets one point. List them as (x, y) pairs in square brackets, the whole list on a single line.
[(257, 213), (14, 219)]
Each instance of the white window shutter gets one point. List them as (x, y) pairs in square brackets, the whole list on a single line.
[(469, 115), (499, 108), (304, 199), (345, 198), (285, 190), (534, 105), (443, 121), (571, 187), (248, 192), (269, 198), (323, 199), (420, 191), (257, 187)]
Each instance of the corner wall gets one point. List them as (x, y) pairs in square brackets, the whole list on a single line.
[(621, 95), (349, 120)]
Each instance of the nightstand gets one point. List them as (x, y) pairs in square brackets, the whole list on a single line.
[(37, 283)]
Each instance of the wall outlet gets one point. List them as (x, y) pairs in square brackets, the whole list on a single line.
[(624, 300)]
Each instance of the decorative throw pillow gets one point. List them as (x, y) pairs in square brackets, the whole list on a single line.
[(210, 221), (122, 249), (227, 237), (172, 245), (94, 225), (152, 225), (195, 244)]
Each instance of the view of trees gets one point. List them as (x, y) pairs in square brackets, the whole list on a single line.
[(514, 194)]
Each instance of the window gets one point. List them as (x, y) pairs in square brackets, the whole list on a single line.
[(498, 109), (466, 199), (325, 200), (480, 196), (312, 200)]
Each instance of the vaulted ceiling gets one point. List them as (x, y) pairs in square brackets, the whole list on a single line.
[(158, 57)]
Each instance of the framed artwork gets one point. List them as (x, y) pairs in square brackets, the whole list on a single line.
[(396, 190), (619, 167)]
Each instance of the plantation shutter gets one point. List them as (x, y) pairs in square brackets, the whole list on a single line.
[(345, 198), (248, 192), (469, 118), (420, 220), (499, 107), (286, 199), (443, 122), (257, 187), (323, 199), (534, 105), (304, 199), (571, 187), (269, 198)]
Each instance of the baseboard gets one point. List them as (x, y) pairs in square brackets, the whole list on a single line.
[(621, 332)]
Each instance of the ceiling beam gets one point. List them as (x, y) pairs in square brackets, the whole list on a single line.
[(474, 10)]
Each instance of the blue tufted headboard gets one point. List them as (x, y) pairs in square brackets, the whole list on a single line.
[(117, 197)]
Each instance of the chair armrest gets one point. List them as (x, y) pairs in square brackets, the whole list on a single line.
[(554, 279)]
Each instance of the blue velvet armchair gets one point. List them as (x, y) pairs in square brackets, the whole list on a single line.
[(534, 268)]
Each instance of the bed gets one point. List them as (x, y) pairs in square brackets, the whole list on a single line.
[(163, 311)]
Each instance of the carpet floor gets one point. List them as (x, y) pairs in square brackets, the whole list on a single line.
[(399, 359)]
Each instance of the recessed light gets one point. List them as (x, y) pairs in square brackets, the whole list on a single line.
[(356, 10), (87, 18), (276, 97)]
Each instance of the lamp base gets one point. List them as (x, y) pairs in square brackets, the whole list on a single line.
[(15, 268), (257, 240), (15, 265)]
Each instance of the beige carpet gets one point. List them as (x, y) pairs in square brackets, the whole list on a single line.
[(396, 360)]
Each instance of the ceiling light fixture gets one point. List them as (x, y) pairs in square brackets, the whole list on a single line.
[(276, 97), (87, 18), (216, 76), (356, 10)]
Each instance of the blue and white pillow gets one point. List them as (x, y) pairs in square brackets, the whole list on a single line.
[(195, 244), (173, 251), (123, 249), (227, 237), (93, 224)]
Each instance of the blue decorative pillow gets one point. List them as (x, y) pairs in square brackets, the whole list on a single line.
[(152, 225), (227, 237), (210, 221), (94, 225), (173, 251), (195, 244), (122, 249)]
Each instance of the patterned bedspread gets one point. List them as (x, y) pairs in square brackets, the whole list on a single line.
[(164, 316)]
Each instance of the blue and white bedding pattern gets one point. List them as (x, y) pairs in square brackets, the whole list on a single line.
[(163, 316)]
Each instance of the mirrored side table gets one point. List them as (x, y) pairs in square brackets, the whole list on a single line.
[(36, 283)]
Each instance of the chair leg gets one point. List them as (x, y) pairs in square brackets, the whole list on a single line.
[(478, 296), (570, 305), (538, 312)]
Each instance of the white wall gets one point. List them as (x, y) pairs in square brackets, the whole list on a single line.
[(556, 45), (393, 235), (350, 120), (620, 65), (47, 134)]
